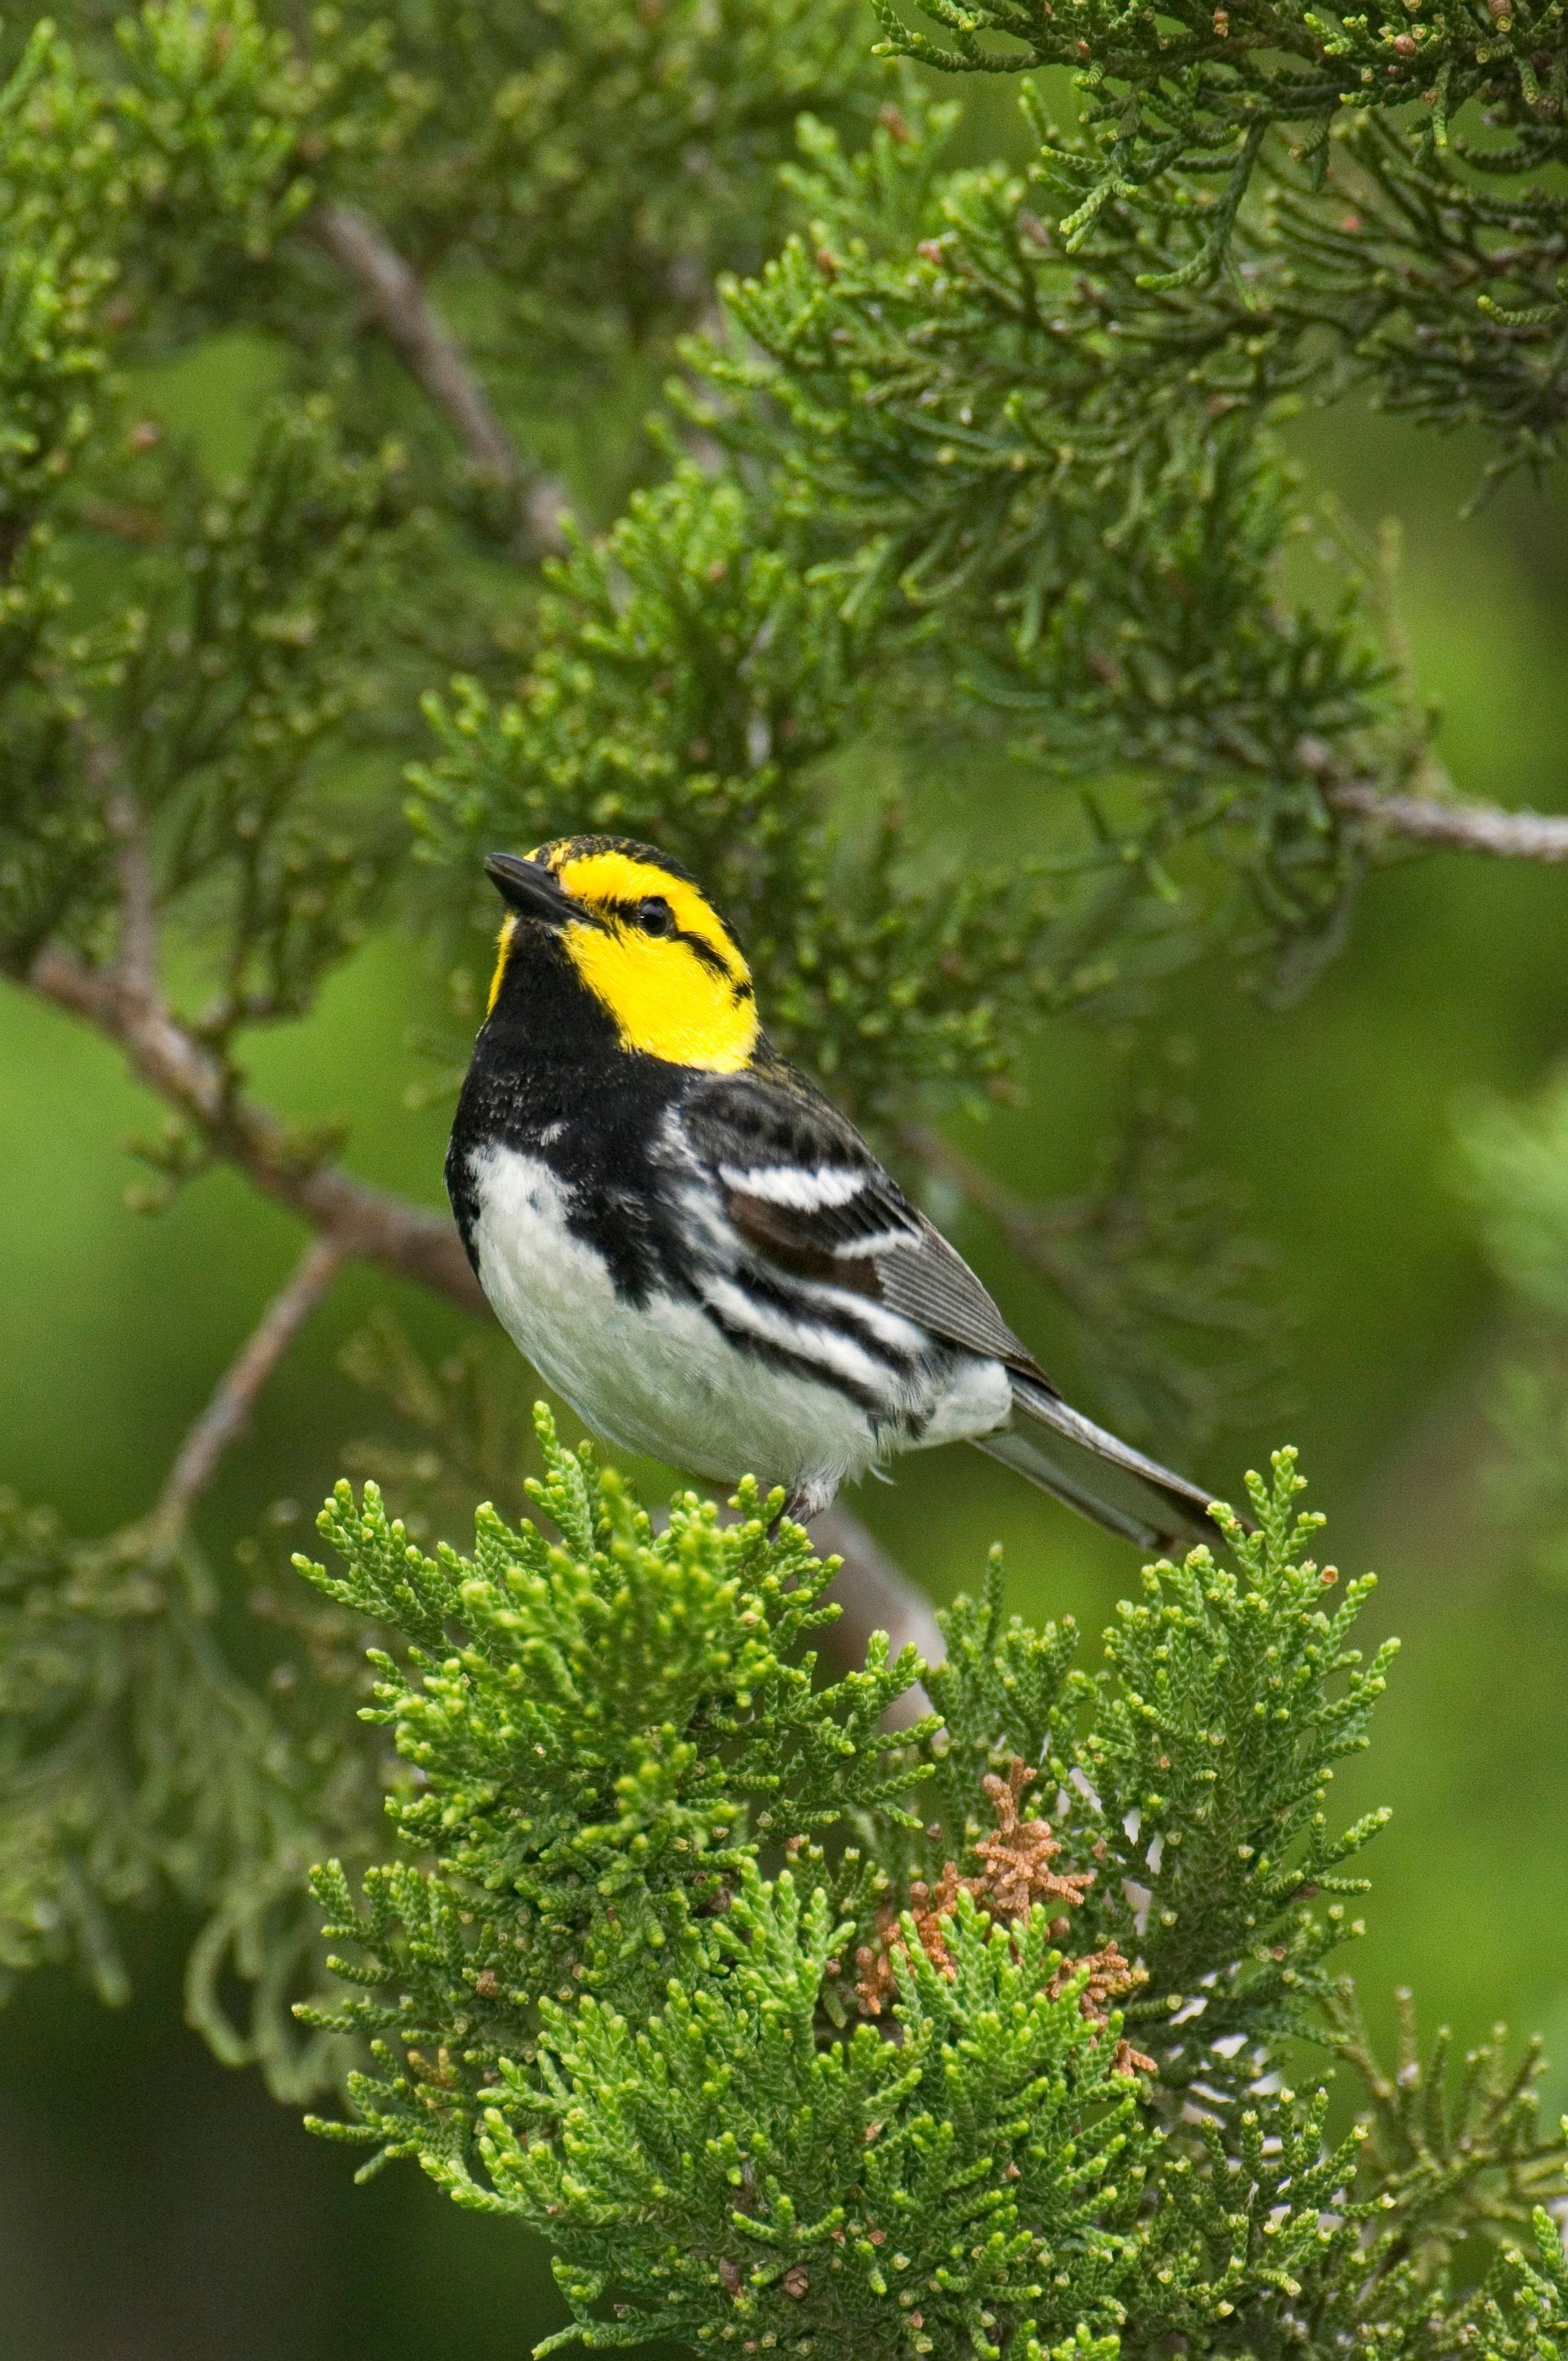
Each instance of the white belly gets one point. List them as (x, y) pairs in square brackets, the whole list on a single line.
[(657, 1377)]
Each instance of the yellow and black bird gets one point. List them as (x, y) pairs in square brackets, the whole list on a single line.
[(697, 1250)]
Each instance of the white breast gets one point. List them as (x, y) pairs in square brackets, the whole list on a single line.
[(657, 1377)]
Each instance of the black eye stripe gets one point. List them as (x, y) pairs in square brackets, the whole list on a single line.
[(705, 952), (711, 960)]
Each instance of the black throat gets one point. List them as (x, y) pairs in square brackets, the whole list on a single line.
[(550, 1078)]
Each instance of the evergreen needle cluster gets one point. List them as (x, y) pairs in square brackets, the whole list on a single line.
[(673, 1969)]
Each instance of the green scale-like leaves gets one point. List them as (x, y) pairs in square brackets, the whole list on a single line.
[(1236, 1687), (862, 2197), (1374, 195), (617, 1733), (612, 1987)]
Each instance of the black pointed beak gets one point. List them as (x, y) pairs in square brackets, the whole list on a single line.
[(531, 890)]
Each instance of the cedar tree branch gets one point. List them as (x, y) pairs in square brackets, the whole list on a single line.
[(362, 1221), (1465, 827), (228, 1412), (431, 354)]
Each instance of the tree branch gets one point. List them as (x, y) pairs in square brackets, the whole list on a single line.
[(363, 1221), (1465, 827), (138, 912), (402, 309), (228, 1412), (873, 1594)]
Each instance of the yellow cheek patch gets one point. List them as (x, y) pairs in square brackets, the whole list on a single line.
[(503, 945), (665, 1001), (597, 878)]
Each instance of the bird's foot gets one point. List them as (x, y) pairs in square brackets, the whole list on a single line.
[(807, 1501)]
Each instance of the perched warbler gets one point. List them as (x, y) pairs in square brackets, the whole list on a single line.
[(696, 1249)]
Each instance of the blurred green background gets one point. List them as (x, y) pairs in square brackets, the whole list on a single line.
[(154, 2207)]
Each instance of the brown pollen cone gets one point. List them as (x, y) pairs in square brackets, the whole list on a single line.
[(1015, 1872)]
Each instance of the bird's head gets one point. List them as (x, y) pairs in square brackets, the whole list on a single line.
[(634, 931)]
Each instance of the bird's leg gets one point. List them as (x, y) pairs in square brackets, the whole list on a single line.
[(807, 1501)]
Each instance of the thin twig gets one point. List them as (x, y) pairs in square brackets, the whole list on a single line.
[(365, 1221), (873, 1594), (1465, 827), (431, 352), (228, 1412), (137, 967)]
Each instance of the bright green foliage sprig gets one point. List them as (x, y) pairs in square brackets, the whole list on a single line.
[(1521, 2312), (620, 1671), (606, 1730), (633, 2054), (1235, 1686), (1469, 2150), (862, 2197), (1193, 1771), (600, 2002)]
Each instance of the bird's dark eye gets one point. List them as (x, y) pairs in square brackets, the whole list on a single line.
[(655, 916)]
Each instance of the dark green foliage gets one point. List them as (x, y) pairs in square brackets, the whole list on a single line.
[(136, 1765), (1409, 160), (1078, 545), (599, 2002)]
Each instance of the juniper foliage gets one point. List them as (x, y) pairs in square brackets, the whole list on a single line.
[(333, 549), (137, 1763), (609, 1992), (1406, 160)]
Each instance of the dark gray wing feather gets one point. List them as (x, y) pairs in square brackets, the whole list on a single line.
[(864, 1233), (929, 1280), (804, 1191)]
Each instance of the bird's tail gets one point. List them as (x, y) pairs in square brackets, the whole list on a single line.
[(1104, 1478)]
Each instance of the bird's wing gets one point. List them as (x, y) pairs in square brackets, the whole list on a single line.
[(800, 1186), (806, 1193)]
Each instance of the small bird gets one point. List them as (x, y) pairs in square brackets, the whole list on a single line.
[(697, 1250)]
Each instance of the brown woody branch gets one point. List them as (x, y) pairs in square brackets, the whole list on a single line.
[(1464, 827), (139, 913), (229, 1410), (363, 1221), (402, 310), (873, 1594)]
